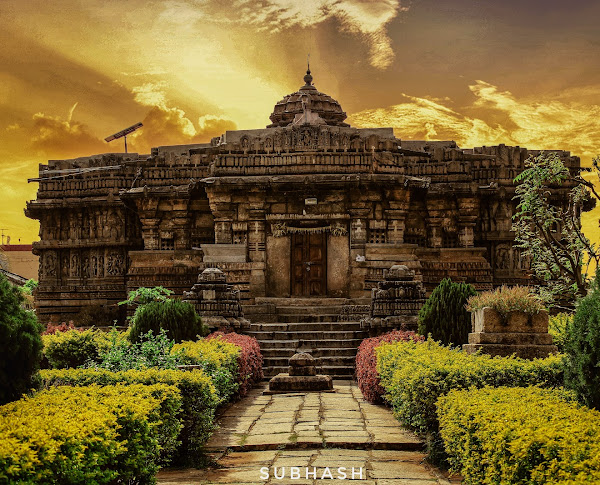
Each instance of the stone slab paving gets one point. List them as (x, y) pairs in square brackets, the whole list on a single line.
[(310, 438)]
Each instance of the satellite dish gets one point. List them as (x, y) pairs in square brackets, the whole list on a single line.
[(123, 134)]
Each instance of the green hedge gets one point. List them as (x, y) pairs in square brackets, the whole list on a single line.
[(520, 435), (200, 398), (217, 357), (89, 434), (415, 375)]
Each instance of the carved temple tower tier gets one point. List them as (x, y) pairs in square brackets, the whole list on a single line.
[(307, 207)]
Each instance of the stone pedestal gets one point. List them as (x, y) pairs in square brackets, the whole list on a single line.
[(302, 377), (517, 333), (217, 302), (396, 302)]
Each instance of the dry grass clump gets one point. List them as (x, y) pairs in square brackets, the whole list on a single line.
[(507, 299)]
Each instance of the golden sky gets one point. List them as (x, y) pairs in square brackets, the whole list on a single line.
[(480, 72)]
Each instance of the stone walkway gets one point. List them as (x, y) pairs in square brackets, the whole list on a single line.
[(264, 436)]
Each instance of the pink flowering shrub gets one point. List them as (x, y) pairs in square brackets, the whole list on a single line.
[(250, 359), (366, 363), (51, 329)]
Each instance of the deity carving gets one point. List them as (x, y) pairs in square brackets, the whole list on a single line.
[(75, 265), (50, 264), (114, 264), (85, 268)]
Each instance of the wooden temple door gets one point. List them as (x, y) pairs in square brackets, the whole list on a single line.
[(309, 264)]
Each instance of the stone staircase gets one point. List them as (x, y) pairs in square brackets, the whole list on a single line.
[(285, 326)]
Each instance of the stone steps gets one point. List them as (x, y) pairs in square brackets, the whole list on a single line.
[(305, 326), (309, 344), (285, 326), (306, 335), (316, 353)]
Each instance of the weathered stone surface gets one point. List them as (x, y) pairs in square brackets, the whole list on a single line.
[(489, 320), (396, 301), (302, 359), (517, 333), (287, 383), (217, 302)]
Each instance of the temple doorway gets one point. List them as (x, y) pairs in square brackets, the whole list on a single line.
[(309, 264)]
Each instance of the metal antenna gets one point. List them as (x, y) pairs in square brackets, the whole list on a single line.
[(124, 133)]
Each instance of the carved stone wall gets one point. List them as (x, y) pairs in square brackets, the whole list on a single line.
[(114, 222)]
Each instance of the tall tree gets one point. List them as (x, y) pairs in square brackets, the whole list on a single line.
[(548, 230)]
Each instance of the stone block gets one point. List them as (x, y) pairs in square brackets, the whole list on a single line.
[(308, 370), (287, 383), (510, 338), (224, 253), (489, 320), (522, 351)]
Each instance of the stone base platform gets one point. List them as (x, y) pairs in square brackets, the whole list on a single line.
[(503, 350), (282, 383)]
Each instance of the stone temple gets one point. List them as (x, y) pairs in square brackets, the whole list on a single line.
[(303, 217)]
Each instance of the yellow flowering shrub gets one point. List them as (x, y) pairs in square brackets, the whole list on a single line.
[(74, 347), (415, 375), (200, 398), (89, 434), (520, 435), (217, 357)]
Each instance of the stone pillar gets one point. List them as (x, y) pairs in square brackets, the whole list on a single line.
[(395, 226), (222, 230), (434, 232), (468, 212), (150, 233), (466, 233)]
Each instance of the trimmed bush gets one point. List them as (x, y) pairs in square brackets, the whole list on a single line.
[(507, 299), (249, 361), (415, 375), (199, 395), (217, 357), (520, 435), (223, 355), (444, 314), (178, 318), (20, 344), (582, 347), (89, 435), (366, 363), (73, 348)]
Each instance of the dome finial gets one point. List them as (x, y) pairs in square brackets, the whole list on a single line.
[(308, 78)]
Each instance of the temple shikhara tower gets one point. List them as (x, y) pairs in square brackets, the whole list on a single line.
[(308, 207)]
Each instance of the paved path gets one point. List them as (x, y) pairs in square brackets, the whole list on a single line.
[(314, 432)]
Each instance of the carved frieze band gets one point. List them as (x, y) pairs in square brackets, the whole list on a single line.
[(281, 229)]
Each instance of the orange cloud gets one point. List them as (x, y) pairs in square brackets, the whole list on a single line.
[(368, 19), (541, 124), (165, 125), (425, 119), (57, 138)]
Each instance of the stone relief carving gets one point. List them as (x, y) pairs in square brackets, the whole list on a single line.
[(115, 264), (50, 264)]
